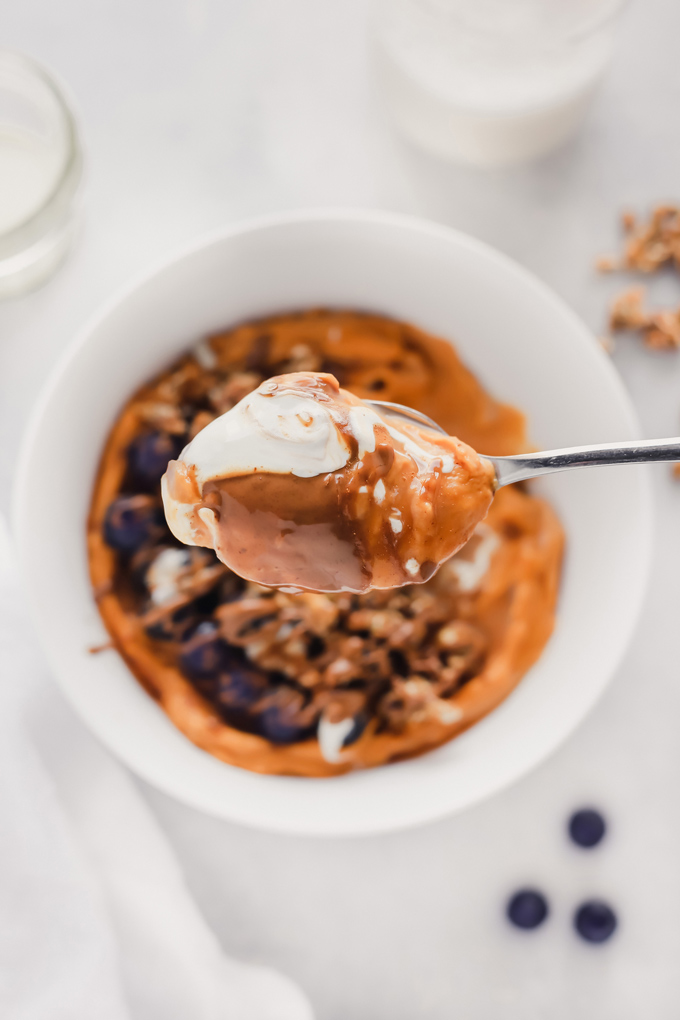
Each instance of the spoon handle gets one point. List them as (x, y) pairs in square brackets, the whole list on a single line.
[(529, 465)]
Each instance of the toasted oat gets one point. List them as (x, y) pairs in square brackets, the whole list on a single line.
[(165, 416), (627, 311), (303, 359)]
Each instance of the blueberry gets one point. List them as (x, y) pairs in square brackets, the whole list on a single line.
[(280, 720), (595, 921), (148, 455), (587, 827), (130, 522), (240, 688), (527, 908), (204, 654)]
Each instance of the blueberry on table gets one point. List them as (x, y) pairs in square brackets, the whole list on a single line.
[(149, 453), (204, 654), (595, 921), (527, 909), (130, 522), (587, 827)]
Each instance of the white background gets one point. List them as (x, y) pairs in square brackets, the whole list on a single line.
[(195, 114)]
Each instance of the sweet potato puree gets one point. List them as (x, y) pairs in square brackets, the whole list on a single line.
[(318, 684)]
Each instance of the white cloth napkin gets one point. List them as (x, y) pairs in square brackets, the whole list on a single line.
[(96, 922)]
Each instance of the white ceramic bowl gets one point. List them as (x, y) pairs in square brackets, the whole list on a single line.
[(526, 346)]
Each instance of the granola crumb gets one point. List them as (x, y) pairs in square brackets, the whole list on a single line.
[(675, 471), (628, 220), (627, 310), (654, 243), (660, 331), (607, 264)]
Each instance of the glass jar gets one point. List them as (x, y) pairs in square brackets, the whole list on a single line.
[(40, 174), (491, 82)]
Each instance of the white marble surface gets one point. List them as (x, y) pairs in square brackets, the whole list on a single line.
[(199, 112)]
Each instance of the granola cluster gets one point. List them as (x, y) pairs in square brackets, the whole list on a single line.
[(660, 331), (648, 247)]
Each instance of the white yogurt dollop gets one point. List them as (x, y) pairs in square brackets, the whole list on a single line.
[(282, 432)]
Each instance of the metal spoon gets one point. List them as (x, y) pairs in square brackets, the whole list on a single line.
[(530, 465)]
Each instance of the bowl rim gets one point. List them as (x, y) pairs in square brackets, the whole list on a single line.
[(249, 225)]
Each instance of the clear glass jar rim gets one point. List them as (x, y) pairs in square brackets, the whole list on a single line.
[(70, 171), (591, 25)]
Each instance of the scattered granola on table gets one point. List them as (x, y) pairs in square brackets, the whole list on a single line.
[(648, 246), (660, 330), (313, 684)]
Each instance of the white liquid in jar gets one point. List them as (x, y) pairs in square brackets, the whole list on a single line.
[(29, 167), (458, 94)]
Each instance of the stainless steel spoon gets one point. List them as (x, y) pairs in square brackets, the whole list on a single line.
[(529, 465)]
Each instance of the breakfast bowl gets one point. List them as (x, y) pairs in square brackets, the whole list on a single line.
[(525, 346)]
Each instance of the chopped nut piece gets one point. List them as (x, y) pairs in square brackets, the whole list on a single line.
[(607, 264), (654, 243), (627, 310), (303, 359), (163, 416)]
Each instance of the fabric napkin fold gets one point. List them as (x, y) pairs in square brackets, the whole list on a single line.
[(96, 921)]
